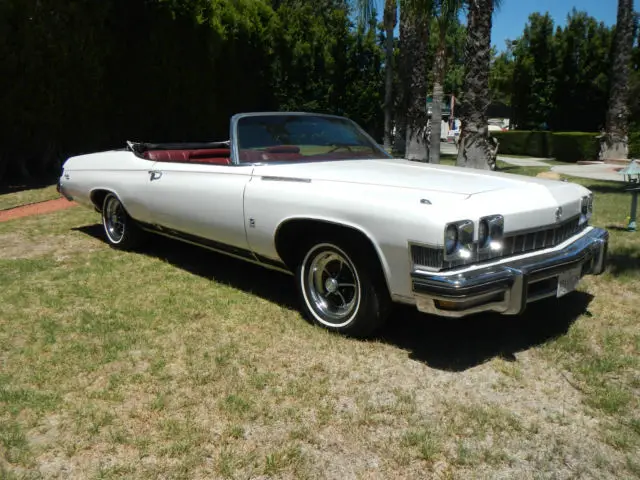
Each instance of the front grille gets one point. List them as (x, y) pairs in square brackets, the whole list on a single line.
[(540, 239), (428, 257), (514, 244)]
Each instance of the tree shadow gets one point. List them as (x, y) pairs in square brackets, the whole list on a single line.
[(624, 260), (442, 343), (608, 187), (21, 187)]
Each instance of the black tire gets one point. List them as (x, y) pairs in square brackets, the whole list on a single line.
[(120, 229), (323, 275)]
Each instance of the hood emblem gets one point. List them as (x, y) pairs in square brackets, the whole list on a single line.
[(558, 214)]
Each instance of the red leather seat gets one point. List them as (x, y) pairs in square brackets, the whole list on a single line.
[(214, 156), (278, 153)]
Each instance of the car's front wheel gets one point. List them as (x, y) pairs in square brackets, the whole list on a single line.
[(120, 229), (341, 289)]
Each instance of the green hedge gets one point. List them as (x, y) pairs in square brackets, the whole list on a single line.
[(563, 146), (574, 146), (531, 143), (634, 142)]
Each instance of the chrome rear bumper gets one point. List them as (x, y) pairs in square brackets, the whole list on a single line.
[(508, 287)]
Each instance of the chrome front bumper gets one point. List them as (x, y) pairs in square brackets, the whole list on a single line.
[(507, 287)]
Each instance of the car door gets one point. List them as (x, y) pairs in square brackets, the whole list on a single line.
[(200, 202)]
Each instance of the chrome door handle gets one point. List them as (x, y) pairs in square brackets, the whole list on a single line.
[(155, 174)]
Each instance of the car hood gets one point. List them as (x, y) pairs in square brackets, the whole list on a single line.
[(406, 174), (523, 200)]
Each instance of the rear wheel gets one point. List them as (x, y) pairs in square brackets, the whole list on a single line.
[(341, 289), (121, 230)]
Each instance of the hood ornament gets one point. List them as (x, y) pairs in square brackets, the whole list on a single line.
[(558, 214)]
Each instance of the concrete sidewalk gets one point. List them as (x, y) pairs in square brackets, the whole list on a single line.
[(524, 162), (604, 171)]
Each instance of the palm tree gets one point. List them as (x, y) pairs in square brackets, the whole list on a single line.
[(446, 14), (390, 19), (614, 143), (476, 149), (402, 96), (417, 35)]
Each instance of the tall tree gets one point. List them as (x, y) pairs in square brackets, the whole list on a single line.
[(534, 82), (417, 35), (614, 143), (446, 14), (389, 20), (402, 85), (475, 147)]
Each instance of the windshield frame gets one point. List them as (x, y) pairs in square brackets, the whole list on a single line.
[(235, 153)]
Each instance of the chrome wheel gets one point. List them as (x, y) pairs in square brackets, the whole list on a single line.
[(114, 218), (331, 285)]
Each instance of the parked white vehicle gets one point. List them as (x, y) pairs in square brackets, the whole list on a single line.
[(313, 195)]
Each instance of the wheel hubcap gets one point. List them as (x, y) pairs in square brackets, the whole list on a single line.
[(333, 287), (114, 219)]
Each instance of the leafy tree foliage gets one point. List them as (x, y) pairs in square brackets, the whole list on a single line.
[(80, 75), (556, 77)]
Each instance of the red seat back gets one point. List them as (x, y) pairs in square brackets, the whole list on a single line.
[(214, 156)]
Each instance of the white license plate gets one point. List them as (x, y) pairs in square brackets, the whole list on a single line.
[(568, 281)]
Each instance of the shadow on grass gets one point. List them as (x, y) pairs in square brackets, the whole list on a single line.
[(441, 343), (608, 187), (624, 260), (459, 344)]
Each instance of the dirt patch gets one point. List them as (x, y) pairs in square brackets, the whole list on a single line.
[(16, 246), (36, 209)]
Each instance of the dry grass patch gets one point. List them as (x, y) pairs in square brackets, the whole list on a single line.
[(176, 362)]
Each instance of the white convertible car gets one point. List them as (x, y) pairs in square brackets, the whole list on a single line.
[(313, 195)]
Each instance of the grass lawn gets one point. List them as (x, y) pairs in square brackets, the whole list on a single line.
[(21, 197), (180, 363)]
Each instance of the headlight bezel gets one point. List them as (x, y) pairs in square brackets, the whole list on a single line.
[(495, 233), (468, 247), (586, 208), (465, 246)]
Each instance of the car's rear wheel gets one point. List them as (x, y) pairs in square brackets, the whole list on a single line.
[(341, 289), (120, 229)]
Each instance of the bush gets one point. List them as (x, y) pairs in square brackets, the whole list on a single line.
[(634, 141), (530, 143), (564, 146), (574, 146)]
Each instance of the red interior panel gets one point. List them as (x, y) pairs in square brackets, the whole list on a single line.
[(215, 156)]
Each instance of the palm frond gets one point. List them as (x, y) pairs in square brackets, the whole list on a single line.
[(364, 10)]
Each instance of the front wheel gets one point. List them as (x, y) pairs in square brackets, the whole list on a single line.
[(121, 230), (342, 290)]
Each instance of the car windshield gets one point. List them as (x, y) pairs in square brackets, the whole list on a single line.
[(281, 138)]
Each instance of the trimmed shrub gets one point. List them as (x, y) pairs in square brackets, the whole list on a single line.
[(574, 146), (530, 143), (634, 142)]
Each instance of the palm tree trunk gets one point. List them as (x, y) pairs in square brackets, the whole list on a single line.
[(438, 97), (390, 20), (401, 106), (417, 41), (476, 149), (614, 143)]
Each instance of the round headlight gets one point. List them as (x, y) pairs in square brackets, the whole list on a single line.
[(451, 239), (483, 233)]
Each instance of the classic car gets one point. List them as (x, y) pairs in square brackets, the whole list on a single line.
[(315, 196)]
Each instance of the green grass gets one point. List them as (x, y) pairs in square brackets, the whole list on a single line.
[(17, 198), (176, 362)]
